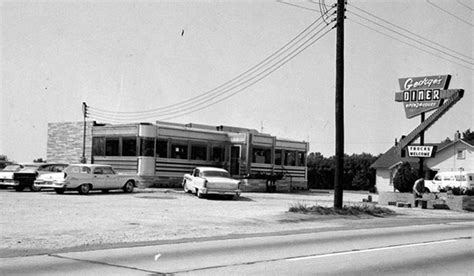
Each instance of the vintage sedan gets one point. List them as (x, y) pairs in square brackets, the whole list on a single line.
[(6, 175), (30, 172), (86, 177), (207, 180)]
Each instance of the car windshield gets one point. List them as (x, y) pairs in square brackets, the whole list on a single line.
[(215, 174), (11, 168)]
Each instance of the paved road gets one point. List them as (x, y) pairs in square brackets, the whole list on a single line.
[(427, 249)]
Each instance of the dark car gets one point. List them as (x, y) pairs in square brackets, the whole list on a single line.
[(26, 176)]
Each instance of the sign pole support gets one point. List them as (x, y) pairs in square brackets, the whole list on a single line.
[(422, 142)]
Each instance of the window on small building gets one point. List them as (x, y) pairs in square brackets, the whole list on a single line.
[(217, 153), (98, 146), (112, 146), (290, 158), (198, 152), (147, 147), (461, 154), (129, 146), (278, 156), (162, 148), (301, 159), (179, 150), (262, 155)]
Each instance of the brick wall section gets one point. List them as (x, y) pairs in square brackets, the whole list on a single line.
[(65, 142)]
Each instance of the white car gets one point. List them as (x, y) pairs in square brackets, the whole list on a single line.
[(443, 180), (6, 176), (208, 180), (86, 177)]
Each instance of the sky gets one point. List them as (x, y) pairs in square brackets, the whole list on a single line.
[(134, 56)]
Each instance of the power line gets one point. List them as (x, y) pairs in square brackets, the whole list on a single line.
[(410, 38), (410, 32), (406, 30), (267, 72), (297, 6), (216, 92), (211, 93), (462, 4), (449, 13), (409, 44), (234, 82), (252, 83)]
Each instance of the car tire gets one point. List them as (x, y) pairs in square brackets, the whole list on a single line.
[(59, 191), (19, 188), (84, 189), (35, 188), (128, 187), (199, 194), (185, 187)]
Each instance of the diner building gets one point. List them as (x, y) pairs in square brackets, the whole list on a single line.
[(160, 153)]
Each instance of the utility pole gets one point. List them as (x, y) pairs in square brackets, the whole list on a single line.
[(84, 113), (339, 172)]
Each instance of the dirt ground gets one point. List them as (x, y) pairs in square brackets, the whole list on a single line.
[(45, 222)]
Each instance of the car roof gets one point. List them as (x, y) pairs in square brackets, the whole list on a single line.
[(90, 165), (454, 173), (210, 169)]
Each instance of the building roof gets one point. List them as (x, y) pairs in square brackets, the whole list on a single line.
[(392, 157)]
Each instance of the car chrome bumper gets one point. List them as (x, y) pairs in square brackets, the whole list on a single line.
[(50, 185), (9, 183), (220, 192)]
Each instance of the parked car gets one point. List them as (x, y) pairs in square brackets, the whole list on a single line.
[(48, 178), (86, 177), (30, 172), (442, 180), (208, 180), (6, 175)]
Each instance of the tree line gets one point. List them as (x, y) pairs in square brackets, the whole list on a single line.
[(357, 172)]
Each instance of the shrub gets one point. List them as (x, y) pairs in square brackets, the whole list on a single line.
[(458, 190), (353, 210), (405, 178)]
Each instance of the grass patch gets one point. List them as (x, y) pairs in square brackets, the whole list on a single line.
[(362, 209)]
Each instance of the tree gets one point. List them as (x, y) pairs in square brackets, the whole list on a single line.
[(468, 135), (405, 178), (357, 172), (4, 161)]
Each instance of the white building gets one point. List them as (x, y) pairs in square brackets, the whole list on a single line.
[(450, 156)]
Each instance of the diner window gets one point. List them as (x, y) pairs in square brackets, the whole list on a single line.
[(98, 146), (179, 150), (301, 159), (198, 152), (129, 146), (278, 156), (112, 146), (290, 158), (162, 148), (262, 155), (147, 146), (217, 153)]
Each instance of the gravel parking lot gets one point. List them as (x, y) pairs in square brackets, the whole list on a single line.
[(34, 223)]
